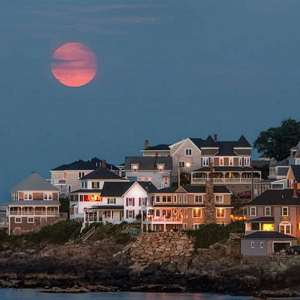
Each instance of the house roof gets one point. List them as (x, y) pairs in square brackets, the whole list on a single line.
[(87, 191), (296, 171), (101, 173), (158, 147), (148, 163), (118, 189), (196, 188), (92, 164), (225, 148), (276, 197), (34, 182), (269, 235)]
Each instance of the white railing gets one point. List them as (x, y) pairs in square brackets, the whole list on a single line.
[(224, 180), (172, 220)]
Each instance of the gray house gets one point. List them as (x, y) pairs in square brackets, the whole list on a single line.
[(264, 243), (156, 169)]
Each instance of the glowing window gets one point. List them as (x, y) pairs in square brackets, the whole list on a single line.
[(268, 227)]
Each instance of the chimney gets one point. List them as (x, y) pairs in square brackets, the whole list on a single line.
[(210, 209), (215, 137), (146, 144), (103, 163), (295, 191)]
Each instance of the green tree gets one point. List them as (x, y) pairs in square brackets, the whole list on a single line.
[(276, 142)]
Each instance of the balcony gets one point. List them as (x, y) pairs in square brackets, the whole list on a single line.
[(163, 220)]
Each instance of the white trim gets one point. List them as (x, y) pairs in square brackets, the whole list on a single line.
[(280, 242)]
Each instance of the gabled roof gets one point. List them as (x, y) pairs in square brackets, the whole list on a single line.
[(148, 163), (34, 182), (118, 189), (296, 171), (102, 173), (195, 188), (276, 197), (269, 235), (92, 164), (164, 147)]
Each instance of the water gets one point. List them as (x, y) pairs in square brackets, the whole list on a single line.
[(10, 294)]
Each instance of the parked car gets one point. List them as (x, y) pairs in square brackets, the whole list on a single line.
[(293, 250)]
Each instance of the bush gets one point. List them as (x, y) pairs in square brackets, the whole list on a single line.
[(209, 234), (57, 233)]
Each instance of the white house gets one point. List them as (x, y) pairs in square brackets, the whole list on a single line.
[(120, 202), (89, 194), (155, 169)]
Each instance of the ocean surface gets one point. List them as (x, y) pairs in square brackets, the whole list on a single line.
[(10, 294)]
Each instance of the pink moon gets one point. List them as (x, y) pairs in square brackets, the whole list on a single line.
[(74, 64)]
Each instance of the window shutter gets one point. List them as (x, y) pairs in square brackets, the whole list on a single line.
[(126, 205), (126, 214)]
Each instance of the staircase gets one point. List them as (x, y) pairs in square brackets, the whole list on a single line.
[(88, 234)]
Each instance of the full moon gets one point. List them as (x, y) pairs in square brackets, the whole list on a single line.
[(74, 64)]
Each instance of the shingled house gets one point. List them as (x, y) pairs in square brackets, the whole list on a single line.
[(34, 204), (187, 207), (273, 212)]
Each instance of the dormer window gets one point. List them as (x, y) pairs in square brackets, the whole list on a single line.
[(160, 167), (134, 167)]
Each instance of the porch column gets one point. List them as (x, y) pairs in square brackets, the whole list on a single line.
[(241, 176)]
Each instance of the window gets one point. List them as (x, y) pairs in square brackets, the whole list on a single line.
[(240, 161), (252, 211), (95, 185), (47, 196), (30, 220), (285, 228), (164, 199), (181, 164), (199, 199), (134, 167), (220, 213), (246, 161), (188, 152), (252, 244), (130, 202), (111, 201), (81, 174), (255, 226), (221, 161), (196, 226), (157, 213), (157, 199), (169, 198), (261, 244), (27, 196), (205, 161), (18, 220), (268, 211), (160, 167), (268, 227), (197, 212), (129, 214), (219, 199), (284, 211), (230, 161)]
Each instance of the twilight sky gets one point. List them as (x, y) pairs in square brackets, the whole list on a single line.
[(167, 69)]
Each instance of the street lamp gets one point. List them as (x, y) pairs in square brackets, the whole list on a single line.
[(186, 165)]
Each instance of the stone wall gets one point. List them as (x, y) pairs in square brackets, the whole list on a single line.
[(160, 248)]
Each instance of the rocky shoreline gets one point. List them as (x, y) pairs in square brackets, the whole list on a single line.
[(106, 266)]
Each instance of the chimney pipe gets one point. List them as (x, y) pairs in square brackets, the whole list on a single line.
[(146, 144), (295, 190)]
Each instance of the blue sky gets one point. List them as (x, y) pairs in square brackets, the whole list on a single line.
[(166, 70)]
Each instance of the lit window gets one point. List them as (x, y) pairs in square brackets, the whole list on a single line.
[(219, 199), (268, 211), (267, 227), (134, 167), (220, 213), (252, 211), (160, 167), (221, 161), (197, 212), (188, 152), (199, 199)]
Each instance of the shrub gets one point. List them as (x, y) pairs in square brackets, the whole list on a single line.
[(209, 234), (57, 233)]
